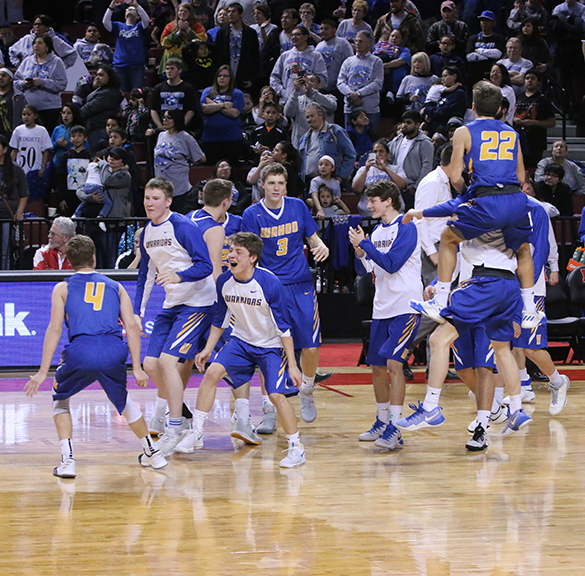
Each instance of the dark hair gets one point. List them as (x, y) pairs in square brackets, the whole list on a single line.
[(292, 155), (293, 13), (140, 92), (272, 105), (237, 6), (249, 241), (413, 115), (178, 118), (385, 190), (8, 172), (382, 142), (161, 184), (119, 131), (556, 170), (453, 71), (35, 111), (505, 75), (323, 187), (354, 114), (264, 8), (46, 20), (216, 191), (215, 88), (330, 22), (48, 42), (78, 129), (113, 78), (446, 154), (80, 251), (216, 167), (176, 62), (77, 119), (534, 72), (302, 29)]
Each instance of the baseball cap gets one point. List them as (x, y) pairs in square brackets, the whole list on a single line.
[(488, 15), (448, 4), (118, 151), (455, 121)]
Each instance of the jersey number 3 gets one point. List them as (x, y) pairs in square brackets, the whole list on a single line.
[(94, 294), (497, 145), (282, 247)]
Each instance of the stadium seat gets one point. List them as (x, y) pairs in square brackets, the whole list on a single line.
[(364, 295)]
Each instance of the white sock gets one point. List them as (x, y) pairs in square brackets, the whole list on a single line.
[(395, 412), (442, 293), (432, 398), (383, 411), (148, 445), (293, 439), (242, 409), (499, 394), (160, 407), (483, 417), (199, 418), (175, 425), (308, 384), (528, 299), (66, 449), (266, 400), (515, 403), (555, 379), (495, 404), (524, 375)]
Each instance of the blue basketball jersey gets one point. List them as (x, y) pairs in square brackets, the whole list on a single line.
[(93, 305), (493, 157), (203, 219), (283, 232), (232, 225)]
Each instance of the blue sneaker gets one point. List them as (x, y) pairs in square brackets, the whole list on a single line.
[(375, 432), (429, 308), (391, 439), (516, 421), (420, 418)]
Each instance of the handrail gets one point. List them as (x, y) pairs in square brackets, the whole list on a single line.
[(562, 111)]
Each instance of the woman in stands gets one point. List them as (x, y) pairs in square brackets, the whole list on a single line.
[(41, 78), (101, 104), (174, 153), (534, 46), (70, 116), (500, 77)]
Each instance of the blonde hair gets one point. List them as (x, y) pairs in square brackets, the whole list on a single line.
[(361, 4), (423, 58)]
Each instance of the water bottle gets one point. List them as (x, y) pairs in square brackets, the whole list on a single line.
[(336, 288), (318, 281)]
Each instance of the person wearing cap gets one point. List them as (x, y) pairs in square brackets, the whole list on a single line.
[(407, 22), (450, 26), (10, 107), (534, 115), (485, 48)]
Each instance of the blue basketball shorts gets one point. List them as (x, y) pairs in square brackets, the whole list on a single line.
[(240, 360), (532, 338), (487, 300), (89, 359), (303, 311), (473, 349), (180, 331), (390, 338), (508, 212)]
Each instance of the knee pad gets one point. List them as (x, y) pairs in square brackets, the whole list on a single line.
[(61, 407), (132, 413)]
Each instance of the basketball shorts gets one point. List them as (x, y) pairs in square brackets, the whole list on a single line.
[(303, 311), (89, 359), (473, 349), (532, 338), (390, 338)]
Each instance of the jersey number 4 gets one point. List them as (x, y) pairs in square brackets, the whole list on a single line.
[(497, 145), (94, 294)]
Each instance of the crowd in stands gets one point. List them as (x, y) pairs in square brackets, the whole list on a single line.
[(343, 94)]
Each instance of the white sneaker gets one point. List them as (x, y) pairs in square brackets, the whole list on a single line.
[(189, 442), (528, 396), (167, 443), (155, 460), (156, 426), (268, 422), (245, 431), (295, 457), (558, 396), (499, 416), (532, 319), (66, 469), (429, 308), (308, 408)]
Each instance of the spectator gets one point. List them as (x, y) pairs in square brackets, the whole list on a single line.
[(325, 177), (324, 139), (307, 13), (279, 41), (263, 26), (331, 205), (204, 12), (237, 46), (72, 171), (8, 40), (160, 14), (101, 104), (130, 260), (360, 81), (52, 256), (414, 88), (267, 96), (377, 168), (396, 59), (307, 90), (222, 20), (70, 116), (534, 47), (286, 154), (41, 27), (573, 176), (14, 188), (349, 28), (111, 123), (516, 65), (538, 13), (197, 57), (182, 30), (85, 45), (247, 5), (334, 51), (446, 57), (240, 196), (221, 105), (173, 94), (453, 101), (174, 153), (359, 133), (136, 115), (484, 49), (41, 78), (412, 150), (9, 104), (516, 17), (448, 26), (129, 56), (267, 135), (408, 24), (554, 191), (500, 77), (534, 115), (302, 59)]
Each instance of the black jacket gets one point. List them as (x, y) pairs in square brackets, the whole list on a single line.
[(248, 69)]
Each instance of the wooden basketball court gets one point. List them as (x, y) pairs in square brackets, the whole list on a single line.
[(430, 508)]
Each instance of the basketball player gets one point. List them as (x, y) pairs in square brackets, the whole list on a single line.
[(92, 304), (260, 337), (393, 254)]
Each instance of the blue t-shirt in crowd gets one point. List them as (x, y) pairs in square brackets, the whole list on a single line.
[(218, 127), (129, 44)]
